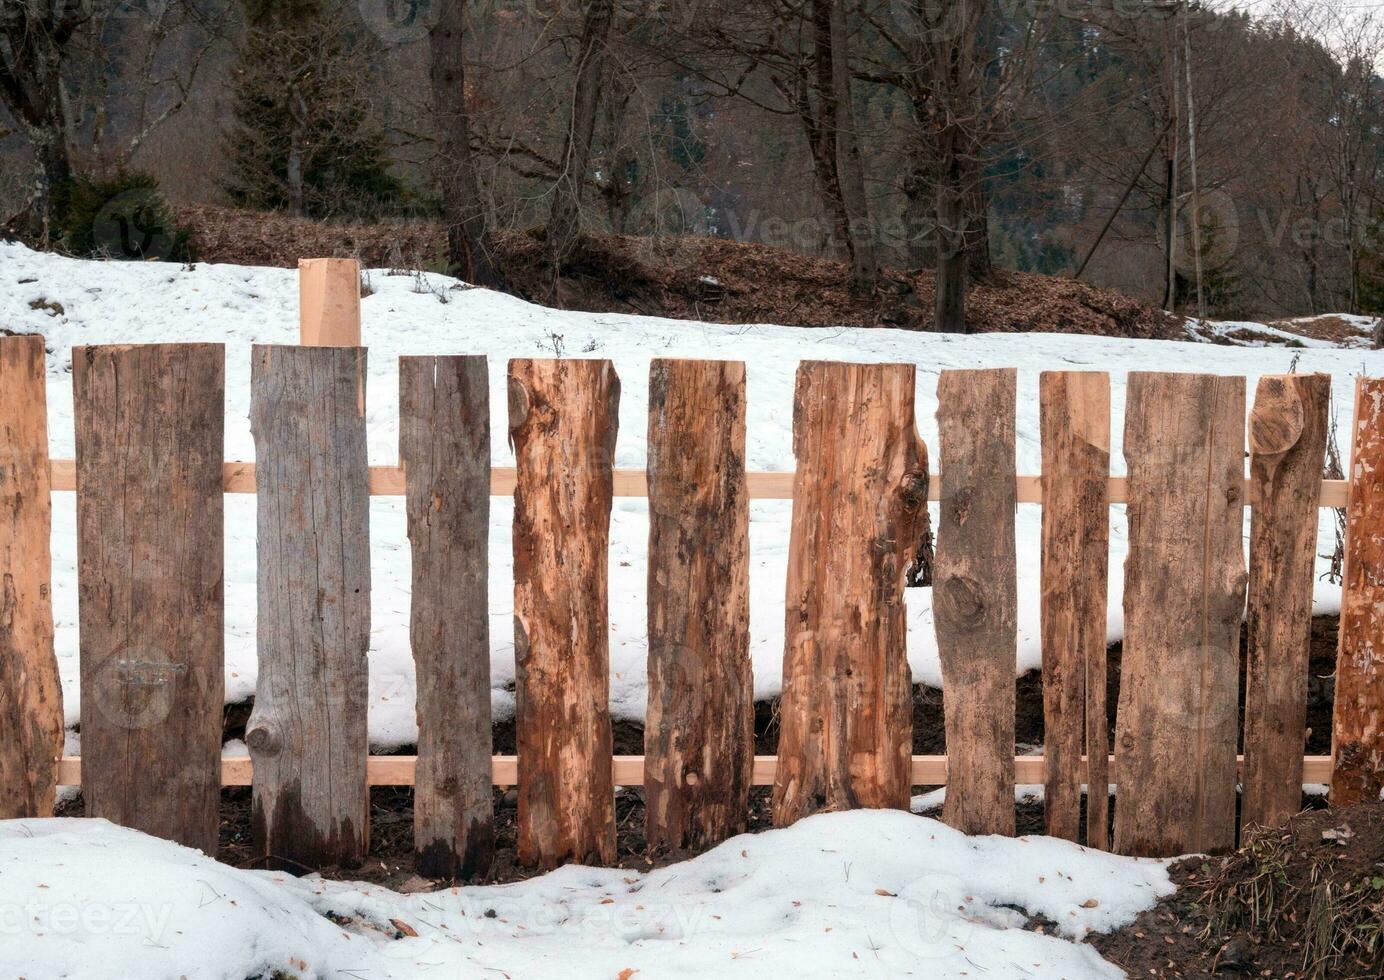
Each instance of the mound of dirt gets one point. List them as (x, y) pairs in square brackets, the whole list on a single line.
[(688, 278), (1301, 901)]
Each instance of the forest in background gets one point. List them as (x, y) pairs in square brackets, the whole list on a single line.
[(1197, 158)]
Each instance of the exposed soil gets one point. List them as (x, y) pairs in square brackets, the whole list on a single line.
[(713, 279)]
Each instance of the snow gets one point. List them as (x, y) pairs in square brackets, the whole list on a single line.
[(845, 894), (411, 314)]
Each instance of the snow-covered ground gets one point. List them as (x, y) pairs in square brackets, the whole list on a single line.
[(866, 893), (133, 303)]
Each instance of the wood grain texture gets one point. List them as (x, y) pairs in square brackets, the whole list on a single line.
[(1287, 440), (975, 596), (1358, 719), (444, 446), (150, 437), (1184, 445), (1075, 423), (563, 417), (307, 733), (31, 713), (859, 509), (699, 730)]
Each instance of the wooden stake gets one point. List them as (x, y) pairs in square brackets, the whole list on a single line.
[(1075, 411), (31, 714), (329, 302), (975, 596), (1287, 439), (562, 423), (1358, 723), (307, 733), (699, 732)]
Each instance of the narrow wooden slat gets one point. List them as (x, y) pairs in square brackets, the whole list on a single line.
[(307, 733), (1184, 444), (1287, 438), (562, 423), (1358, 720), (859, 509), (329, 302), (975, 595), (31, 714), (1075, 422), (149, 424), (444, 444), (699, 730)]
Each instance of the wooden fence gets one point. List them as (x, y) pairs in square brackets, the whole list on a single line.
[(149, 480)]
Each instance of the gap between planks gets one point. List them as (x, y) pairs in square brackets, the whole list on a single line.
[(397, 770), (388, 481)]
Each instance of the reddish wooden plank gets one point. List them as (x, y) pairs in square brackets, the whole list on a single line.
[(562, 423), (859, 508), (1184, 596), (307, 733), (31, 718), (1358, 722), (1287, 437), (149, 424), (444, 447), (975, 596), (699, 731), (1075, 422)]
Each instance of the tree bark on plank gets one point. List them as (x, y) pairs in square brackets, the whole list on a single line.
[(444, 447), (1184, 444), (1075, 422), (563, 416), (699, 730), (975, 596), (1358, 720), (307, 733), (150, 424), (1287, 438), (859, 507), (31, 714)]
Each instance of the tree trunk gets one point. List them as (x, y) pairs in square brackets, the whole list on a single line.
[(469, 253), (564, 220), (949, 309), (850, 165), (979, 266)]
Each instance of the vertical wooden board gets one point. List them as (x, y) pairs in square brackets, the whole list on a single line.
[(307, 732), (859, 508), (329, 302), (699, 731), (1075, 423), (444, 446), (149, 423), (1358, 720), (1287, 439), (31, 716), (563, 416), (1184, 445), (975, 596)]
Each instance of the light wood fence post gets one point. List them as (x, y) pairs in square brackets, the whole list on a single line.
[(329, 302)]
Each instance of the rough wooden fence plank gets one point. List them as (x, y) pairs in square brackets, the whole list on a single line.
[(149, 423), (1358, 720), (31, 718), (563, 416), (1184, 444), (1075, 422), (444, 446), (1287, 438), (307, 733), (975, 596), (699, 731), (859, 508)]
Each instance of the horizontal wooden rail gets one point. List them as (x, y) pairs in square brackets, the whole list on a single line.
[(388, 481), (397, 770)]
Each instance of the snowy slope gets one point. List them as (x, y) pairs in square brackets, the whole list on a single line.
[(866, 893), (126, 302)]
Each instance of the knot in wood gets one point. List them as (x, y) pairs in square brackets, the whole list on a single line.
[(264, 740), (961, 601), (913, 490)]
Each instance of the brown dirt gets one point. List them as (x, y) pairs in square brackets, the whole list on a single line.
[(713, 279)]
